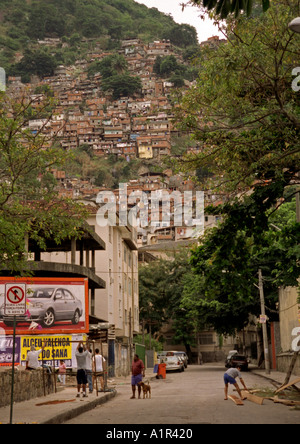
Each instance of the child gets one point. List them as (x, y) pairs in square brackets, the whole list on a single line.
[(62, 372), (230, 378)]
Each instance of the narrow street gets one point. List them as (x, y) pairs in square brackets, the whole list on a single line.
[(193, 397)]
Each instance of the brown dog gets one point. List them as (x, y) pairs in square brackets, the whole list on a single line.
[(146, 389)]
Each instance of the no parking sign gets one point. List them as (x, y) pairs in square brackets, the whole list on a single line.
[(15, 299)]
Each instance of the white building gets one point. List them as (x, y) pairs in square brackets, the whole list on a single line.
[(118, 303)]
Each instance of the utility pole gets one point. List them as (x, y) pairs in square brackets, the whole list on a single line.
[(264, 325)]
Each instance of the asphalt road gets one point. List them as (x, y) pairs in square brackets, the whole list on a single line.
[(195, 396)]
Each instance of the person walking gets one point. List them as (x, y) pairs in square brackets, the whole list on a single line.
[(81, 357), (230, 378), (138, 372), (98, 367)]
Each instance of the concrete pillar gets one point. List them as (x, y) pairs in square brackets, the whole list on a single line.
[(87, 258), (81, 254), (73, 251), (92, 301)]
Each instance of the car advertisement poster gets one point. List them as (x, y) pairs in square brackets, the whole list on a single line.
[(53, 306)]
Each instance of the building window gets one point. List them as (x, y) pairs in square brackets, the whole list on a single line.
[(130, 287), (206, 338), (125, 284)]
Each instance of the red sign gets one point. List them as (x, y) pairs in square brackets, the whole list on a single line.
[(15, 295), (15, 299)]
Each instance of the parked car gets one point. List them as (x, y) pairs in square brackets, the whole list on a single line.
[(241, 360), (48, 305), (161, 355), (180, 354), (229, 356), (174, 363)]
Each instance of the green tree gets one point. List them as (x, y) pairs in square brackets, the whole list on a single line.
[(122, 85), (243, 110), (182, 35), (110, 66), (161, 286), (152, 294), (224, 8), (245, 116), (45, 20), (225, 265), (37, 62), (29, 204)]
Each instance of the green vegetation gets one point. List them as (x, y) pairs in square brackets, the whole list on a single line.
[(226, 8), (107, 172), (161, 286), (80, 24), (115, 76), (29, 203), (37, 62), (169, 67), (250, 120), (215, 285), (245, 116)]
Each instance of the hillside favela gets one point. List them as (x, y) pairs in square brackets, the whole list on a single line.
[(149, 214)]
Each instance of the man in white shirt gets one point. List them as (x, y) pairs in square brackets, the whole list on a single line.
[(32, 361), (98, 367)]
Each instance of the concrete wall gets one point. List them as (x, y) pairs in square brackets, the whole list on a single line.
[(289, 320), (288, 313), (122, 360), (28, 385), (283, 363)]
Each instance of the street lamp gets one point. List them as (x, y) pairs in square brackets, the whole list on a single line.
[(294, 25)]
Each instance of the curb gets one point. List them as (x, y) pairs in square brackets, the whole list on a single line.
[(72, 413), (268, 378)]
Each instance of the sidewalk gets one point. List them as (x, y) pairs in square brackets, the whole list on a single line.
[(275, 376), (63, 405)]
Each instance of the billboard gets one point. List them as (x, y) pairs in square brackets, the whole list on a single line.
[(6, 350), (56, 348), (53, 306)]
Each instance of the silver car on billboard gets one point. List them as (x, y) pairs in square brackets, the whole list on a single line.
[(48, 305)]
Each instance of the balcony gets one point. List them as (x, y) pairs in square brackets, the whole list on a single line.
[(86, 246)]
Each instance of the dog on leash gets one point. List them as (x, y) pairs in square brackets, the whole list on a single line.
[(146, 389)]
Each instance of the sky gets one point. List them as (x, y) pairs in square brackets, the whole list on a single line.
[(190, 15)]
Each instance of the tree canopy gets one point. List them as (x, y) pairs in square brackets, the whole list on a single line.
[(116, 77), (243, 110), (38, 62), (161, 285), (224, 8), (90, 18), (29, 204), (244, 114)]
